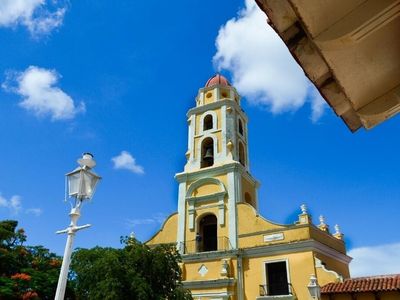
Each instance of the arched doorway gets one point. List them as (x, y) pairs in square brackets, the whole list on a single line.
[(208, 232)]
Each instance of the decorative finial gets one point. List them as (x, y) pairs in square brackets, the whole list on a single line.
[(87, 160), (337, 233), (303, 208), (304, 217), (322, 225), (229, 145)]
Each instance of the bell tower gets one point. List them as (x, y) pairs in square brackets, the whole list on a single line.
[(216, 176)]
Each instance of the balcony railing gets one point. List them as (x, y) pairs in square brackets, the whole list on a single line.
[(220, 243), (280, 289)]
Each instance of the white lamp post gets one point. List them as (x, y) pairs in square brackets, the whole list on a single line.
[(81, 184), (314, 288)]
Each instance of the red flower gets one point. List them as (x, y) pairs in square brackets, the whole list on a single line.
[(21, 276), (29, 295)]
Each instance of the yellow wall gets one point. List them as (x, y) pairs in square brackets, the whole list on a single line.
[(167, 233), (206, 189), (214, 269), (202, 209), (301, 265), (198, 120), (334, 265), (209, 96), (250, 222), (222, 178), (248, 187), (329, 240)]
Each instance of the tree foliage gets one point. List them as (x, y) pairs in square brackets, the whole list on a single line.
[(133, 272), (26, 272)]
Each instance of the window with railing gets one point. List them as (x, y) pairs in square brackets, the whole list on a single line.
[(277, 281), (195, 246)]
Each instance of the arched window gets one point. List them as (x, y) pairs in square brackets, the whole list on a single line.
[(208, 234), (208, 122), (242, 158), (240, 127), (207, 153)]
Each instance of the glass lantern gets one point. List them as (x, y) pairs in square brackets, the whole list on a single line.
[(82, 181)]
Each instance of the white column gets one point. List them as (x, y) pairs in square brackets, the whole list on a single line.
[(181, 216), (192, 122), (223, 130), (232, 209)]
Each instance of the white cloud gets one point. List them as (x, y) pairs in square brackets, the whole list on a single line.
[(317, 105), (126, 161), (39, 94), (34, 211), (33, 14), (13, 204), (262, 68), (157, 218), (375, 260)]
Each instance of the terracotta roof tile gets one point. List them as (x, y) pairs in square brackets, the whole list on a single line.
[(364, 284)]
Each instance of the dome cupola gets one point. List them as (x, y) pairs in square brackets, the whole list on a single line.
[(217, 79)]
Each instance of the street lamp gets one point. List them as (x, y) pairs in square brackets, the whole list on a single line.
[(81, 184), (314, 288)]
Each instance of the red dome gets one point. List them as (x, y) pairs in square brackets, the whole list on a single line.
[(217, 79)]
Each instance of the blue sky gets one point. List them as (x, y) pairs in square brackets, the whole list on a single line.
[(118, 79)]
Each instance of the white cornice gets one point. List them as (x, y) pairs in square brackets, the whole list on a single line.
[(269, 250), (204, 284), (215, 171), (301, 246), (203, 108)]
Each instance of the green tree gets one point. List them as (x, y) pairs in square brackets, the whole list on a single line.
[(26, 272), (133, 272)]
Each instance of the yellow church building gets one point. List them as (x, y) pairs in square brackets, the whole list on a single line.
[(229, 250)]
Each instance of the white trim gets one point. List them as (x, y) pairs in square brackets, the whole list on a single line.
[(232, 209), (215, 171), (191, 133), (270, 250), (212, 131), (207, 197), (181, 216), (247, 150), (295, 247), (216, 296), (240, 281), (223, 134), (200, 109), (211, 283), (265, 262), (193, 200), (203, 181), (200, 144), (318, 264), (214, 121)]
